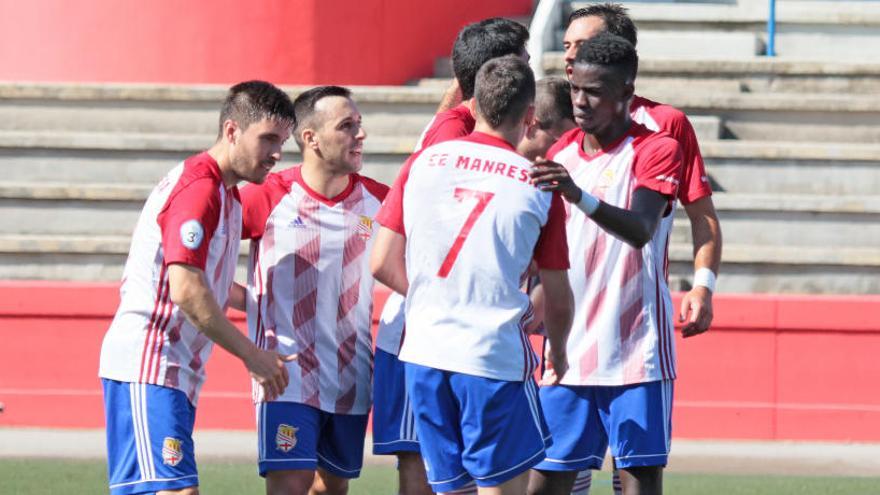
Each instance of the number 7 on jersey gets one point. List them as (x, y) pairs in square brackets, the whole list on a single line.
[(462, 194)]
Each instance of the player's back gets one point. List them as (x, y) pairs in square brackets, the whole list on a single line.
[(472, 222)]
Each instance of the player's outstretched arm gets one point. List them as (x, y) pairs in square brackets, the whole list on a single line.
[(635, 226), (189, 290), (388, 260), (696, 305), (558, 315)]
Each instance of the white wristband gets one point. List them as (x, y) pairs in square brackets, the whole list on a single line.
[(706, 278), (588, 203)]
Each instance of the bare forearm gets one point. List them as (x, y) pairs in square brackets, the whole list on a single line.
[(558, 307), (634, 229), (237, 297), (706, 233), (388, 260), (394, 279), (191, 294), (557, 322)]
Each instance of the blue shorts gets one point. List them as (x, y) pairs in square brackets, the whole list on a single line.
[(297, 436), (149, 438), (634, 420), (394, 428), (475, 428)]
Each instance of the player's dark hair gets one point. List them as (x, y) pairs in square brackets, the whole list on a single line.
[(552, 102), (613, 15), (252, 101), (608, 50), (481, 41), (505, 87), (304, 107)]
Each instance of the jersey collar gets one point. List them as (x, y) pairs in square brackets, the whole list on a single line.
[(296, 175), (483, 138)]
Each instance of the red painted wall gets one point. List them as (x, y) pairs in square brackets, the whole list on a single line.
[(773, 367), (226, 41)]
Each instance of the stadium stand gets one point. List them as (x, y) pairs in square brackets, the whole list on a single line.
[(790, 144)]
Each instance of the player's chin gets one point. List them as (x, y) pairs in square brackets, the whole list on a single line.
[(259, 176), (355, 161)]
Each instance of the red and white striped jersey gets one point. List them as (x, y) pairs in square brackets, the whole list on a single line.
[(454, 123), (310, 290), (659, 117), (190, 218), (472, 222), (623, 330)]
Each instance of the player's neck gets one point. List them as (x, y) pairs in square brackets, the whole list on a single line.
[(511, 135), (323, 181), (593, 143), (220, 154)]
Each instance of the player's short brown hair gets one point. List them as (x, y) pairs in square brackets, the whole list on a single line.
[(481, 41), (552, 102), (304, 106), (614, 16), (252, 101), (505, 87)]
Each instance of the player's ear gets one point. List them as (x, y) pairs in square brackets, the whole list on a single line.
[(629, 89), (309, 138), (229, 131), (529, 117)]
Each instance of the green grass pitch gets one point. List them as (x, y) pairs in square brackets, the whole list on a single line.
[(40, 476)]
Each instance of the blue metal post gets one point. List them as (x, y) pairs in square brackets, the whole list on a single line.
[(771, 30)]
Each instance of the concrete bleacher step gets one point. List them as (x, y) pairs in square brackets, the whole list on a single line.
[(785, 269), (404, 111), (785, 117), (751, 75), (746, 268), (810, 30), (130, 108), (794, 221), (759, 219), (143, 158), (756, 167)]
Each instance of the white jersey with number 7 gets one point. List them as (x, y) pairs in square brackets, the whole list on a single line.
[(473, 222)]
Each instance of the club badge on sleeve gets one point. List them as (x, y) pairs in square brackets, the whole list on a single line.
[(191, 234)]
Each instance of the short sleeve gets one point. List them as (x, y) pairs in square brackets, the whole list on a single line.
[(391, 213), (375, 188), (188, 222), (448, 125), (257, 203), (694, 181), (551, 250), (658, 165)]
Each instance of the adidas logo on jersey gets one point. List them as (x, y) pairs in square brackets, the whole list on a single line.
[(296, 223)]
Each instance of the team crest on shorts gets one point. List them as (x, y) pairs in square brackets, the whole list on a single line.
[(172, 454), (285, 438), (364, 228)]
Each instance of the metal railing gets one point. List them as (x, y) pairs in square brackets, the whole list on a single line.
[(771, 29)]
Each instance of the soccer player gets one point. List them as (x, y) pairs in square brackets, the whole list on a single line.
[(310, 293), (174, 288), (553, 117), (459, 229), (695, 192), (623, 181), (393, 431)]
